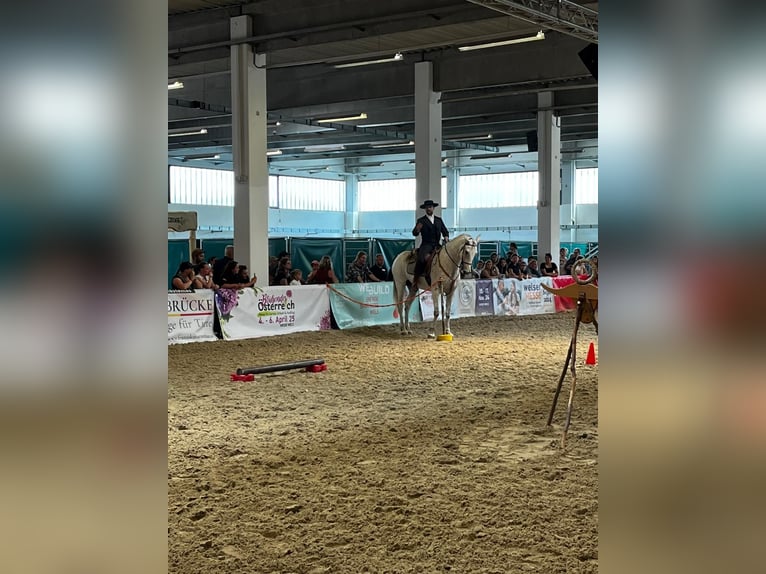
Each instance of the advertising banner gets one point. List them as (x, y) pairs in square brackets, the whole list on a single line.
[(363, 304), (466, 298), (190, 316), (534, 299), (427, 305), (265, 311), (506, 294), (484, 297)]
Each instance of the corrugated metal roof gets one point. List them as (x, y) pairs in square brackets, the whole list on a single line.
[(182, 6), (410, 41)]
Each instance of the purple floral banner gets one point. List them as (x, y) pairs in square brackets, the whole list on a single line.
[(266, 311)]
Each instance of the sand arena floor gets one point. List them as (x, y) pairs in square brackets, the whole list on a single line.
[(406, 455)]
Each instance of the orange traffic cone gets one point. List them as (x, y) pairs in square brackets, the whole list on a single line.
[(591, 359)]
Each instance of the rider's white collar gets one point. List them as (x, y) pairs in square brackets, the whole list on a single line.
[(430, 218)]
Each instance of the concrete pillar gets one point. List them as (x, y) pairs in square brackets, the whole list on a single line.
[(452, 199), (568, 213), (251, 171), (549, 165), (428, 138), (351, 222)]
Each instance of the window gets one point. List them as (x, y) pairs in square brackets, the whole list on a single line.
[(518, 189), (393, 195), (200, 186), (311, 194), (586, 185)]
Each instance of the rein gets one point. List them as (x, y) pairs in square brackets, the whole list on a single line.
[(457, 265)]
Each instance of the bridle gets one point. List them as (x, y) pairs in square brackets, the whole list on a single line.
[(465, 265)]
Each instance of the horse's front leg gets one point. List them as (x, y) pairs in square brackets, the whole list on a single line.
[(447, 310)]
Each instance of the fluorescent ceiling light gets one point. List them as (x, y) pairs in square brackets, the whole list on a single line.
[(200, 156), (326, 147), (175, 86), (393, 144), (195, 133), (361, 116), (273, 152), (490, 156), (470, 138), (395, 58), (539, 36)]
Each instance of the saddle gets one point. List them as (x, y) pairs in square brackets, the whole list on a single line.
[(412, 259)]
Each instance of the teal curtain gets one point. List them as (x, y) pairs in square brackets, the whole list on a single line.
[(277, 245), (303, 251), (215, 247), (178, 251), (390, 248)]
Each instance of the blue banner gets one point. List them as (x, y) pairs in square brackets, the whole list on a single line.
[(484, 297), (364, 304)]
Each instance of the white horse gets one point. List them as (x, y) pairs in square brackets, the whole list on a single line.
[(445, 268)]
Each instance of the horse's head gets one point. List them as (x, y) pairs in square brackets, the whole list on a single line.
[(468, 254)]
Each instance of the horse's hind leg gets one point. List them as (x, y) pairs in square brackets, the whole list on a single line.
[(436, 297), (407, 305), (398, 293)]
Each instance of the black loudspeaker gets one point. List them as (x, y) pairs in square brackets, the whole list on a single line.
[(532, 141), (589, 57)]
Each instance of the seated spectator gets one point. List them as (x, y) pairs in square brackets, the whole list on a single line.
[(197, 256), (220, 264), (324, 273), (273, 264), (203, 278), (282, 273), (296, 277), (230, 278), (571, 261), (489, 271), (358, 271), (242, 273), (493, 258), (312, 273), (549, 268), (532, 269), (502, 265), (379, 269), (513, 270), (479, 268), (523, 270), (512, 248), (212, 261), (562, 258), (184, 277)]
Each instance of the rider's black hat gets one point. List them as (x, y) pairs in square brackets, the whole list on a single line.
[(428, 203)]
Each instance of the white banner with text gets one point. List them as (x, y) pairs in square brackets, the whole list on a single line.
[(190, 316), (277, 310)]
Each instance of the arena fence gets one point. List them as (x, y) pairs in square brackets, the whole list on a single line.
[(268, 311)]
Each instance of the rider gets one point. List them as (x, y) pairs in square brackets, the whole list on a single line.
[(430, 228)]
